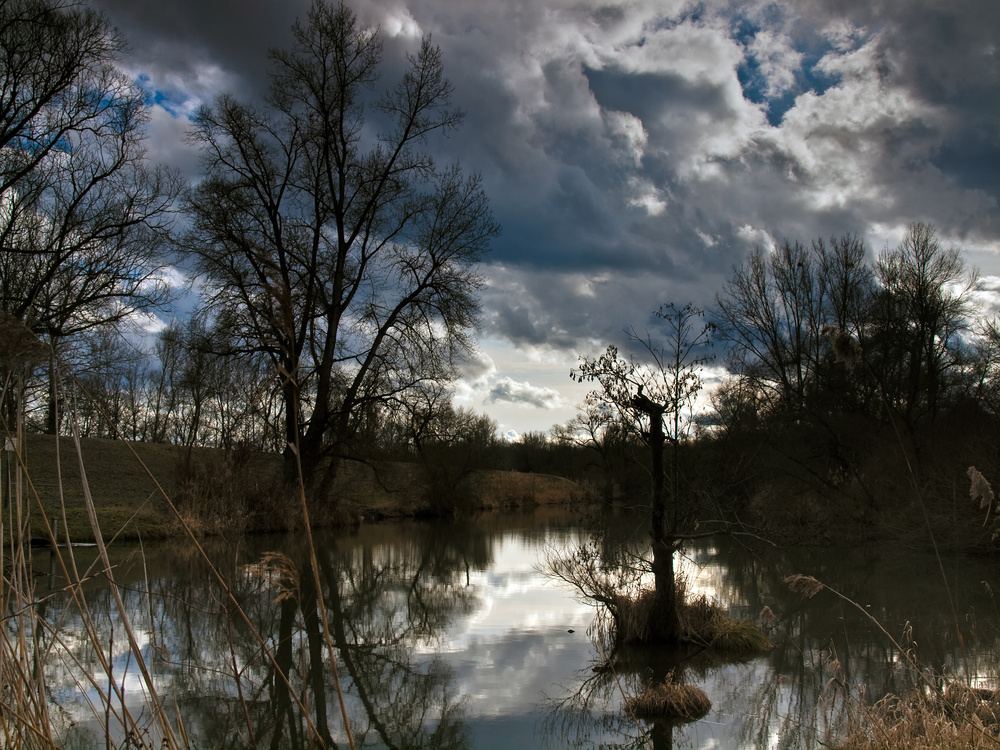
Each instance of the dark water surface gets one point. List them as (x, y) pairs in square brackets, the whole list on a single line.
[(450, 636)]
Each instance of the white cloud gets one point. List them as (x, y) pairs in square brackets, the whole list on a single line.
[(399, 22), (777, 59), (478, 368), (525, 394), (627, 133), (646, 196)]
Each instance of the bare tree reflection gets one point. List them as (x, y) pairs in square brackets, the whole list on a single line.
[(827, 654), (392, 593), (595, 712), (264, 681), (385, 605)]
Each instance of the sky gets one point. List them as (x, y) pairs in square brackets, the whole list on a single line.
[(635, 151)]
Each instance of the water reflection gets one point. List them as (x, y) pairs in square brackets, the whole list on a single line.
[(827, 650), (448, 636)]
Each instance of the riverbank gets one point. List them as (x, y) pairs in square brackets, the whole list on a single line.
[(214, 492)]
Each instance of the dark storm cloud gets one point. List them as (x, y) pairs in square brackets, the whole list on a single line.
[(633, 153), (182, 37)]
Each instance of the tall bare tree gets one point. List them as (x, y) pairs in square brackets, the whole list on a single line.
[(329, 239), (652, 396), (771, 310)]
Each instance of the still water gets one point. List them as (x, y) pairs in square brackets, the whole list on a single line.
[(451, 636)]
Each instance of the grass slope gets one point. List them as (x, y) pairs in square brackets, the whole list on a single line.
[(129, 504)]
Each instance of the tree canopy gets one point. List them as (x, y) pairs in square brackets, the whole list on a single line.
[(345, 256)]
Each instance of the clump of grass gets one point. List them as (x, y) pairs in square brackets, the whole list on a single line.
[(736, 637), (669, 700), (632, 617), (960, 718), (707, 624)]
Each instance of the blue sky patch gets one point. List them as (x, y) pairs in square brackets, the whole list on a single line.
[(753, 80), (173, 102)]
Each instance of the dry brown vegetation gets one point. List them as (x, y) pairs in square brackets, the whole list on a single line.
[(924, 718), (707, 624), (669, 700), (960, 717)]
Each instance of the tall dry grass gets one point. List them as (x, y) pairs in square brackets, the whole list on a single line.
[(959, 718), (35, 641), (943, 712)]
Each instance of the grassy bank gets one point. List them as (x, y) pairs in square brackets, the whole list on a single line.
[(217, 492)]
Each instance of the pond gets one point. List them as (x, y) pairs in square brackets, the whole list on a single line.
[(449, 635)]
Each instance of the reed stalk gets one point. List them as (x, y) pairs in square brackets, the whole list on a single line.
[(28, 640)]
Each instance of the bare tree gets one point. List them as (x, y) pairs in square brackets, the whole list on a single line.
[(162, 381), (652, 395), (925, 302), (83, 215), (347, 257), (771, 311)]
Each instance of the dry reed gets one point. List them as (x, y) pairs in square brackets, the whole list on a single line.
[(669, 700), (30, 641), (961, 718)]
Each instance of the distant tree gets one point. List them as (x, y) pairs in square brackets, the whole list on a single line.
[(598, 428), (984, 381), (923, 306), (83, 215), (108, 370), (164, 376), (532, 451), (450, 443), (330, 241)]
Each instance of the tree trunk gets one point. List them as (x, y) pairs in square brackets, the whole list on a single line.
[(662, 735), (280, 694), (291, 454), (317, 665), (52, 409), (665, 625)]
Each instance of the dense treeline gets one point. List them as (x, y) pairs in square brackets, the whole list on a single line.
[(821, 330), (859, 389), (867, 381)]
